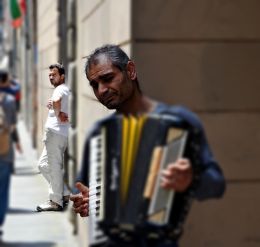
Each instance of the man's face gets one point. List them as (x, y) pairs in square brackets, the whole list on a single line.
[(111, 86), (55, 78)]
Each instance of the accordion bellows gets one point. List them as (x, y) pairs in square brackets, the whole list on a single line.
[(127, 155)]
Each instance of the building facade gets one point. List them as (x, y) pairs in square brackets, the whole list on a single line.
[(201, 54)]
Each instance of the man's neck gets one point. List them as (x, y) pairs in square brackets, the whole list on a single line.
[(141, 105), (58, 84)]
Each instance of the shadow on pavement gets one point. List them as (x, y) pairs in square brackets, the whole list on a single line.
[(21, 211), (26, 244)]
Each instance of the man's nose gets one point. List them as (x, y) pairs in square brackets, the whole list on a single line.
[(102, 88)]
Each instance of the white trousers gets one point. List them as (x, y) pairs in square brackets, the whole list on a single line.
[(51, 165)]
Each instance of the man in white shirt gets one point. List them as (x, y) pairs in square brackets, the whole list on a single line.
[(55, 142)]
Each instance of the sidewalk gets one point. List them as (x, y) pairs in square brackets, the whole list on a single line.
[(24, 227)]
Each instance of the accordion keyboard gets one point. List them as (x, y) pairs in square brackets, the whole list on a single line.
[(96, 187)]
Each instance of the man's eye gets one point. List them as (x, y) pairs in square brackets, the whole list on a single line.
[(108, 79), (94, 85)]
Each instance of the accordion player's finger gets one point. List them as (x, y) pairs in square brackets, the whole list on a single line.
[(174, 184), (80, 204), (169, 172), (82, 188), (182, 165), (84, 213), (82, 209), (80, 201), (180, 169), (75, 197), (166, 182)]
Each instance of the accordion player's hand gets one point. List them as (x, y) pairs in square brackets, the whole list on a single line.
[(80, 200), (177, 176)]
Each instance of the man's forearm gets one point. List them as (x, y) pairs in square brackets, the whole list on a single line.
[(57, 107), (211, 185)]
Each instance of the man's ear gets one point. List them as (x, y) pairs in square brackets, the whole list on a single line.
[(131, 70), (62, 77)]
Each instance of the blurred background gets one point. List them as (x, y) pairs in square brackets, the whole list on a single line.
[(204, 54)]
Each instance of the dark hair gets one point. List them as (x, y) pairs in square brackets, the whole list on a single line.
[(3, 76), (117, 56), (59, 67)]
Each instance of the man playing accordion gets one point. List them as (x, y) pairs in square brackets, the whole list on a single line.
[(113, 78)]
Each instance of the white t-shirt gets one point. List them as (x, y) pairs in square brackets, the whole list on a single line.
[(53, 123)]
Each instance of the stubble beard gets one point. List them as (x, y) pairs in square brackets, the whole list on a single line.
[(111, 105)]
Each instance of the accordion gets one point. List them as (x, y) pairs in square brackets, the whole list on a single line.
[(126, 156)]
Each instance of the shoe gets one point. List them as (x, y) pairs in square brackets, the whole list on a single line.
[(49, 206), (66, 200)]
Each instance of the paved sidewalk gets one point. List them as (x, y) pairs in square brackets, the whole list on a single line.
[(24, 227)]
